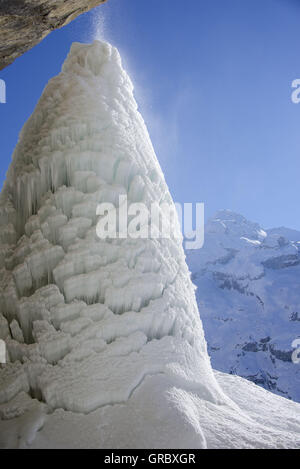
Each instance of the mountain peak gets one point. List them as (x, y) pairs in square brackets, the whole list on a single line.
[(234, 224), (229, 215)]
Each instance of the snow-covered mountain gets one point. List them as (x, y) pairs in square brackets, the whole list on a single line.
[(248, 293), (105, 344)]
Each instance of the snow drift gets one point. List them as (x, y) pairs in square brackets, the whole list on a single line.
[(105, 346)]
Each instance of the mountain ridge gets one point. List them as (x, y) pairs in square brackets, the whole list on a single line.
[(247, 293)]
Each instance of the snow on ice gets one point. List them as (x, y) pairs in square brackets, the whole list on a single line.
[(105, 344)]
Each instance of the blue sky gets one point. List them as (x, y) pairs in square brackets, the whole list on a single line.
[(213, 82)]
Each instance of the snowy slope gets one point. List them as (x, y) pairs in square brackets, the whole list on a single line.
[(248, 293), (105, 345)]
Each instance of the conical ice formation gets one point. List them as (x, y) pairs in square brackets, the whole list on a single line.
[(105, 347)]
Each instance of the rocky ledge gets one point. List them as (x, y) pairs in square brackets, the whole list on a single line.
[(24, 23)]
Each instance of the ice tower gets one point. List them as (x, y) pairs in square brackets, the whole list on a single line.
[(105, 346)]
